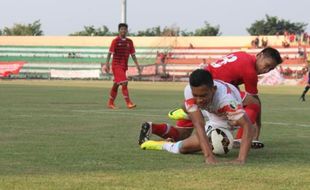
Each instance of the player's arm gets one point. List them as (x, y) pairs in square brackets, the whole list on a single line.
[(106, 67), (134, 58), (246, 139), (199, 124)]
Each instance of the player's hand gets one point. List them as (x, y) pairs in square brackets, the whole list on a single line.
[(139, 70), (107, 68), (211, 160)]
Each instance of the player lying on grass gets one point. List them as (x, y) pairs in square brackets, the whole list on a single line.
[(184, 127), (223, 105), (236, 68)]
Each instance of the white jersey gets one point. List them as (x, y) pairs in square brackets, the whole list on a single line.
[(226, 104)]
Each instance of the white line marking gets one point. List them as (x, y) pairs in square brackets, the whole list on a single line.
[(287, 124)]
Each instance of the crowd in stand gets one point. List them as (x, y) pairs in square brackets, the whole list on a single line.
[(289, 39), (293, 73)]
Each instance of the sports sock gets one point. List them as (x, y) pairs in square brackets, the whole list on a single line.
[(125, 93), (113, 93), (173, 147), (165, 131), (252, 110)]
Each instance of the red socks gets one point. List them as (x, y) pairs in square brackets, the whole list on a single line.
[(113, 93), (125, 93), (165, 131)]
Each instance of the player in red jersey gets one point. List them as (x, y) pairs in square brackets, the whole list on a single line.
[(121, 47), (236, 68)]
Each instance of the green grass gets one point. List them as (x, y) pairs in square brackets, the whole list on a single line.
[(59, 135)]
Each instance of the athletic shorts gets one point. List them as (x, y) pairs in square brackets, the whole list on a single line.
[(119, 74)]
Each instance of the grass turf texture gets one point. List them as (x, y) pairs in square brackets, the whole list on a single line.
[(60, 135)]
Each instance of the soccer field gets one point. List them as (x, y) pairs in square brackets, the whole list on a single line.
[(60, 135)]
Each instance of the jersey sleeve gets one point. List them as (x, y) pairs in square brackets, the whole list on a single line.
[(231, 109), (190, 102), (112, 46)]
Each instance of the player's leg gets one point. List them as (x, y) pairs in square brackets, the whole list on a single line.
[(113, 94), (188, 145), (252, 110), (163, 130), (121, 79), (252, 107), (302, 97), (125, 92)]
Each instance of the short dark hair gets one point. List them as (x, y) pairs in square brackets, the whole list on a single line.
[(122, 25), (273, 54), (201, 77)]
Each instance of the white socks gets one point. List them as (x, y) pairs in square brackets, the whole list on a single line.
[(173, 147)]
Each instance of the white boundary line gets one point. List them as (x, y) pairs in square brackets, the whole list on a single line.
[(120, 112)]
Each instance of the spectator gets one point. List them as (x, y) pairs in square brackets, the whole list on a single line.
[(285, 44), (264, 42), (255, 42)]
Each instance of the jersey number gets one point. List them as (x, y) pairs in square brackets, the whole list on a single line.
[(225, 60)]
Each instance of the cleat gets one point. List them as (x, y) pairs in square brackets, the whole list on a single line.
[(302, 98), (254, 145), (152, 145), (257, 144), (145, 132), (111, 105), (131, 105), (177, 114)]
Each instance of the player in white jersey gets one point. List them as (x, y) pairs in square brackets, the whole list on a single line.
[(223, 106)]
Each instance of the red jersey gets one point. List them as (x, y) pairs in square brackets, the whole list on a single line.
[(121, 48), (236, 68)]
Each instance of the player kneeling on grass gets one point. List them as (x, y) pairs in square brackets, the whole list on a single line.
[(223, 105)]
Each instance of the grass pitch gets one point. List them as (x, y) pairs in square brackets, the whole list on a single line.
[(60, 135)]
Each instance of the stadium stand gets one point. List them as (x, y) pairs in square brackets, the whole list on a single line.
[(166, 57)]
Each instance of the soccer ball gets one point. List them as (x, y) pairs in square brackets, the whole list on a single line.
[(221, 140)]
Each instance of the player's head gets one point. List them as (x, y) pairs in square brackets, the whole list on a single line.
[(122, 29), (267, 60), (202, 85)]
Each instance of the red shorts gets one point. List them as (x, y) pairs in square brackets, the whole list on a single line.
[(119, 74)]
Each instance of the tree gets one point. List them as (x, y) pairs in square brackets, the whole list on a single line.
[(208, 30), (171, 31), (33, 29), (272, 25), (92, 31), (155, 31)]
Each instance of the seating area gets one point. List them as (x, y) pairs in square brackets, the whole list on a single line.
[(181, 61), (51, 54), (168, 57)]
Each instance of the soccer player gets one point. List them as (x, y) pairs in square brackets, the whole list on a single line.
[(236, 68), (302, 97), (222, 103), (121, 47)]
